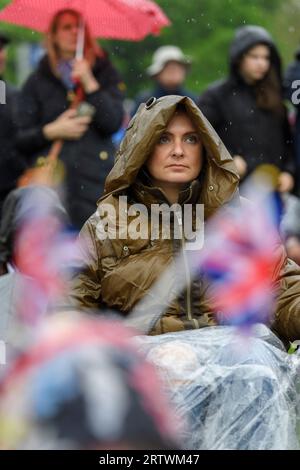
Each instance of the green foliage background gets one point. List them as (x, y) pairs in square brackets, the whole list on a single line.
[(202, 28)]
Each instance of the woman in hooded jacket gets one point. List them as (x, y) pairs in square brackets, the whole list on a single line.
[(44, 113), (247, 108), (172, 156)]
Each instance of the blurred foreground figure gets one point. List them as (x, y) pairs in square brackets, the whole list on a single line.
[(33, 251), (82, 385)]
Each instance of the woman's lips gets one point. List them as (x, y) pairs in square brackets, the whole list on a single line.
[(176, 166)]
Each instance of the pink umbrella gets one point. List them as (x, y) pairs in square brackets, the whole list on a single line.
[(113, 19)]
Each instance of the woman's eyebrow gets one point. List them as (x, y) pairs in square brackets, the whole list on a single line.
[(186, 133)]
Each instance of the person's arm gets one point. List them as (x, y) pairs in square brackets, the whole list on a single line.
[(30, 136), (287, 314), (86, 285)]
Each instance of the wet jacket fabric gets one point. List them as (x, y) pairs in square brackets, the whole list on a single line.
[(158, 91), (87, 160), (258, 135), (118, 273)]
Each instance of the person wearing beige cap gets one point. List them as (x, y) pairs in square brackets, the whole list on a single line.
[(169, 69)]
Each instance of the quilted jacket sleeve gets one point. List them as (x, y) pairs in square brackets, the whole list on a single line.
[(86, 285)]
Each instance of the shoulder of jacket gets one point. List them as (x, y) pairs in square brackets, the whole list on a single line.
[(111, 199)]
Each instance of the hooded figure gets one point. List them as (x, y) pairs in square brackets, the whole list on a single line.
[(18, 208), (246, 110), (89, 389), (120, 270)]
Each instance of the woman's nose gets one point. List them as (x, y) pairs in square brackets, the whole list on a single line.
[(177, 150)]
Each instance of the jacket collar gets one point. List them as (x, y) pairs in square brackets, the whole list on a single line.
[(147, 194)]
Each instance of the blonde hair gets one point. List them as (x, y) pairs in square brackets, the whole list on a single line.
[(91, 49)]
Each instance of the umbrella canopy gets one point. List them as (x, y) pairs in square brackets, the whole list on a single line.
[(113, 19)]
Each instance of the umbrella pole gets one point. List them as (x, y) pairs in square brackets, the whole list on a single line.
[(80, 41)]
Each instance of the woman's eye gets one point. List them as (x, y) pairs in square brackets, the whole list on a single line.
[(192, 139), (164, 139)]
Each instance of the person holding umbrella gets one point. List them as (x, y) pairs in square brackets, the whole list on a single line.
[(75, 98)]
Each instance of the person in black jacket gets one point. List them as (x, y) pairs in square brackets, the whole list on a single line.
[(44, 114), (12, 164), (247, 109)]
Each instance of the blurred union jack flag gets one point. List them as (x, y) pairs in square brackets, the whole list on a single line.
[(239, 258)]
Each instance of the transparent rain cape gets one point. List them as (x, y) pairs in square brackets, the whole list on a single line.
[(233, 391)]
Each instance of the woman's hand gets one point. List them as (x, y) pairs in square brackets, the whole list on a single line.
[(67, 126), (285, 182), (83, 73)]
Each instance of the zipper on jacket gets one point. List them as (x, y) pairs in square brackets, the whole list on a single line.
[(187, 275)]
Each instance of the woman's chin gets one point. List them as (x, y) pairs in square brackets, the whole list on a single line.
[(178, 180)]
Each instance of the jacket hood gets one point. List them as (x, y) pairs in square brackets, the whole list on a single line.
[(221, 180), (247, 37)]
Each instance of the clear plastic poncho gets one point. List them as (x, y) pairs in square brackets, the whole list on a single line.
[(234, 391)]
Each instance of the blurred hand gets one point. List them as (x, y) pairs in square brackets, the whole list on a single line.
[(241, 165), (285, 182), (67, 126), (83, 73)]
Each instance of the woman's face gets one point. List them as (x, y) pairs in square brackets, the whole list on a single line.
[(66, 33), (255, 63), (177, 156)]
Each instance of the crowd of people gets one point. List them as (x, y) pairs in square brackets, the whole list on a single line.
[(179, 150)]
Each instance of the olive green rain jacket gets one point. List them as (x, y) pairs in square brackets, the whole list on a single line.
[(119, 272)]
